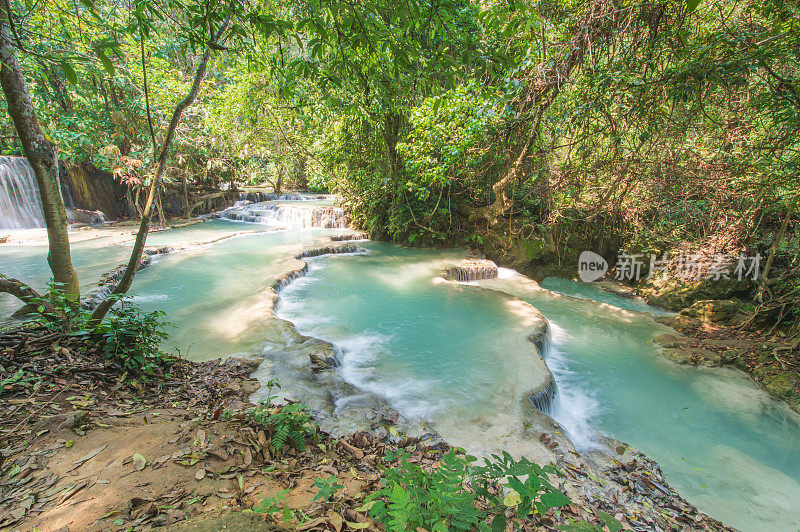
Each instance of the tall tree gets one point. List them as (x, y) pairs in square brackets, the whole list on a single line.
[(42, 155), (216, 42)]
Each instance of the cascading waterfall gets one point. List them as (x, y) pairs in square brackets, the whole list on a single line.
[(290, 216), (257, 197), (544, 398), (20, 202)]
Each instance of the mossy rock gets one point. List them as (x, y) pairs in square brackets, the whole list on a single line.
[(693, 356), (672, 340), (762, 371), (676, 294), (730, 356), (781, 385), (712, 310)]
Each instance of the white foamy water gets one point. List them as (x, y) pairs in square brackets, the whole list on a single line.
[(289, 214), (575, 405), (20, 203)]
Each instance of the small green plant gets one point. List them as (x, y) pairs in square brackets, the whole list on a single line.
[(458, 495), (17, 378), (435, 500), (133, 339), (533, 494), (57, 312), (582, 526), (326, 488), (128, 336), (271, 505), (287, 423)]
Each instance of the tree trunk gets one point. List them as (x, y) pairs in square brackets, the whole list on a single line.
[(141, 237), (278, 187), (23, 292), (762, 283), (43, 157), (598, 21)]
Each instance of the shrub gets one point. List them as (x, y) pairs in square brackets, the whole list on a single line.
[(326, 488), (288, 423), (457, 495), (133, 338), (127, 337)]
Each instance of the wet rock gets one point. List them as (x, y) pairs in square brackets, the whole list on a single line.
[(350, 236), (693, 356), (731, 356), (781, 385), (471, 270), (318, 363), (672, 340)]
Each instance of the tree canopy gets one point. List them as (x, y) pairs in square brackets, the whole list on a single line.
[(527, 129)]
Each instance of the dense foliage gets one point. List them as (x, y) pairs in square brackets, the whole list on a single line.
[(127, 339), (531, 130)]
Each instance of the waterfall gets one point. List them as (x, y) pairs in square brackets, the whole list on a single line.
[(20, 203), (256, 197), (545, 398), (281, 215)]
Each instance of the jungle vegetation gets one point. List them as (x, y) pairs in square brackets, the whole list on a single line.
[(531, 130)]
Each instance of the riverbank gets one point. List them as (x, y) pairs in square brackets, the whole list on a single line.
[(592, 476), (115, 232), (712, 333), (84, 449), (770, 360), (159, 421)]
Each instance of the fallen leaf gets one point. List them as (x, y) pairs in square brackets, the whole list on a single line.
[(335, 520), (139, 462), (200, 475), (311, 524), (80, 461)]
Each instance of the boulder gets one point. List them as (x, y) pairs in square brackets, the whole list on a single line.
[(712, 310), (693, 356), (782, 385)]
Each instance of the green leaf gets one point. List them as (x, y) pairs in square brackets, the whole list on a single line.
[(14, 471), (499, 523), (69, 72), (612, 524), (107, 64), (691, 5), (554, 499), (139, 462)]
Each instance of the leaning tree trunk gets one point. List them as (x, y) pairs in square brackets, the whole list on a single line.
[(762, 282), (141, 237), (600, 20), (43, 157)]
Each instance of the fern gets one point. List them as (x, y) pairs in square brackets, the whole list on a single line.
[(289, 423)]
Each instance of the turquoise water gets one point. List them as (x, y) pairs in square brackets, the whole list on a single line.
[(457, 356), (723, 444), (215, 295), (595, 292), (91, 258), (28, 263)]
